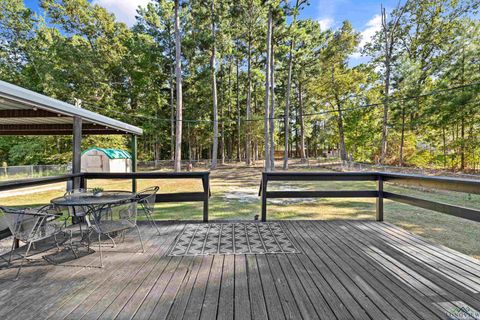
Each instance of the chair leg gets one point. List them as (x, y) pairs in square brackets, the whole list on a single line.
[(113, 241), (100, 249), (140, 237), (24, 258), (149, 217), (11, 253), (71, 245), (56, 242)]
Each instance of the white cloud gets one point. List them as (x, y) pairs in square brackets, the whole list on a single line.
[(325, 23), (124, 10), (371, 27)]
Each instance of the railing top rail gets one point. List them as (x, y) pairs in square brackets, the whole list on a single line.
[(425, 177), (147, 175), (320, 176), (435, 182), (318, 173), (15, 184)]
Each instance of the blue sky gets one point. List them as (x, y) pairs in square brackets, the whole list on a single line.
[(363, 14)]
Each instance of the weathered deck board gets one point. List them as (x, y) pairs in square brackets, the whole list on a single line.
[(347, 270)]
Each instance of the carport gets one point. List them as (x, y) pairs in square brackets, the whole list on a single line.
[(24, 112)]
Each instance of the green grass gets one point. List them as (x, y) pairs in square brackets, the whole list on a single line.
[(234, 196)]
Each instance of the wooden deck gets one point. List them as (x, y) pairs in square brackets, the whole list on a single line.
[(348, 270)]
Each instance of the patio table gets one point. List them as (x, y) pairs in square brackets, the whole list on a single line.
[(95, 204)]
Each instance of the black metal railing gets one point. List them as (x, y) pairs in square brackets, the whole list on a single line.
[(441, 183), (202, 196)]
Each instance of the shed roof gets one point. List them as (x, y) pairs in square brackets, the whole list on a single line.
[(24, 112), (112, 153)]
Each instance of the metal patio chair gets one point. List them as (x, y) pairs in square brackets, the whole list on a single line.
[(77, 213), (146, 200), (31, 225), (118, 219)]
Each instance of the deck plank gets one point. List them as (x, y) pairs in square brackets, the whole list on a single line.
[(458, 273), (407, 304), (242, 300), (449, 289), (346, 270), (181, 301), (84, 278), (210, 303), (227, 289), (255, 290)]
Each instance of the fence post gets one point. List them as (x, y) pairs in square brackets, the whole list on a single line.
[(380, 198), (264, 196), (206, 190)]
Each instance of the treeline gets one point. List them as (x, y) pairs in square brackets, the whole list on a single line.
[(248, 79)]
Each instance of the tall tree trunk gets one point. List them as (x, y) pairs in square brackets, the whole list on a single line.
[(287, 105), (387, 54), (239, 158), (267, 90), (462, 144), (172, 115), (222, 124), (402, 138), (444, 138), (213, 66), (303, 157), (229, 103), (289, 87), (249, 101), (178, 75), (272, 105)]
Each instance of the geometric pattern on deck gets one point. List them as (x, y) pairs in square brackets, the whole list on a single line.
[(232, 238)]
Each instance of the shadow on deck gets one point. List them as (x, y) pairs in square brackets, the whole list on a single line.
[(347, 270)]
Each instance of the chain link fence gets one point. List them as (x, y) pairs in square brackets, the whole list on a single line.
[(33, 171)]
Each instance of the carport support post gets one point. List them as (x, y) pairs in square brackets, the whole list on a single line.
[(134, 161), (77, 150)]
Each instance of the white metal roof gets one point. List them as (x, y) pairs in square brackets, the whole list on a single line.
[(19, 110)]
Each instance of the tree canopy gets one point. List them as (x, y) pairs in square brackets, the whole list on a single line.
[(254, 75)]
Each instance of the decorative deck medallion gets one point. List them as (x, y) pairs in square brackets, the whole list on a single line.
[(232, 238)]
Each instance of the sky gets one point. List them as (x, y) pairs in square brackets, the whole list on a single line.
[(363, 14)]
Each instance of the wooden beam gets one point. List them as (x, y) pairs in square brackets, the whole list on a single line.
[(134, 161), (322, 176), (77, 150), (457, 211), (379, 201), (323, 194), (53, 129), (429, 182), (29, 113)]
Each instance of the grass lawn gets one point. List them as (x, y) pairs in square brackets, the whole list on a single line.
[(235, 196)]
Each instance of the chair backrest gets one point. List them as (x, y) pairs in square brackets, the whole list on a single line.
[(105, 220), (146, 198), (30, 224)]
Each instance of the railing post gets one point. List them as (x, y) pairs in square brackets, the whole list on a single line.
[(83, 182), (206, 190), (380, 199), (264, 196), (134, 161)]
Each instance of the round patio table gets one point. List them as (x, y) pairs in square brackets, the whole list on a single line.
[(88, 199), (95, 204)]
